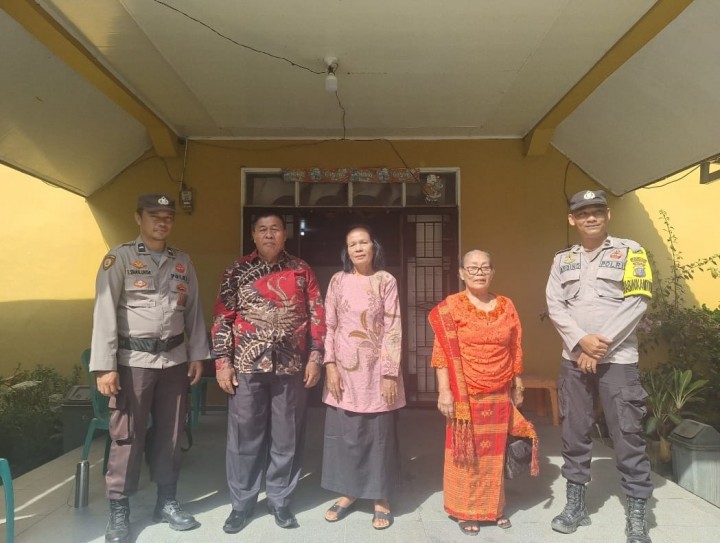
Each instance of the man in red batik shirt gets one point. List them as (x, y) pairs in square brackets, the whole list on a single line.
[(269, 319)]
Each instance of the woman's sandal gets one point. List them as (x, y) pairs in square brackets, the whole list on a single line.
[(504, 523), (467, 525), (340, 511), (382, 515)]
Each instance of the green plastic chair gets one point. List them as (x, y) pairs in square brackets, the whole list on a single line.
[(198, 393), (9, 500), (101, 413)]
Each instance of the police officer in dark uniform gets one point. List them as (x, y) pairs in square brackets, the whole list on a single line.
[(596, 295), (148, 340)]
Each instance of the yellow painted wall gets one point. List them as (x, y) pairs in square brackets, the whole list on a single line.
[(512, 206), (694, 212), (50, 248)]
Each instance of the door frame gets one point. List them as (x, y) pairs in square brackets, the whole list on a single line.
[(451, 282)]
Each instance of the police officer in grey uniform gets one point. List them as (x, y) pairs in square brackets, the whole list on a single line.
[(146, 305), (596, 295)]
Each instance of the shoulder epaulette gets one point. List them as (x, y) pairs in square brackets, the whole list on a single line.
[(633, 245)]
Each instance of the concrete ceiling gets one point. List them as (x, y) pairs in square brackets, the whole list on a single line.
[(626, 90)]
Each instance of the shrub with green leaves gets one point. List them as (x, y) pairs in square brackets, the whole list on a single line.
[(30, 417), (691, 335)]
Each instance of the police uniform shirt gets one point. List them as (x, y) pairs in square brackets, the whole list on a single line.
[(135, 297), (605, 295)]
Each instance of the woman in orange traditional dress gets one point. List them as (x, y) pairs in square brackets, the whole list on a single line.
[(478, 359)]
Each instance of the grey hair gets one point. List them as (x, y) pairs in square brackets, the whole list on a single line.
[(472, 251)]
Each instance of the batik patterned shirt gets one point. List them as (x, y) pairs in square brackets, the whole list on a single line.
[(267, 318)]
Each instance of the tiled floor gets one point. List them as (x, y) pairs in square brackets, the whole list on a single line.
[(45, 513)]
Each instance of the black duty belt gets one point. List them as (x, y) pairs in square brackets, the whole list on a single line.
[(149, 344)]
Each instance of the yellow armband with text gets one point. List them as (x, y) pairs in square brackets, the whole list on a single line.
[(637, 279)]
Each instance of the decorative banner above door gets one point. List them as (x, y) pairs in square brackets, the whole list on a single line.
[(352, 175)]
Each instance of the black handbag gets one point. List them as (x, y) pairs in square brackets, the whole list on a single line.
[(518, 456)]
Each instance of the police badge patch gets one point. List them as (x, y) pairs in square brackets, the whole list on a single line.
[(637, 279), (639, 264), (108, 261)]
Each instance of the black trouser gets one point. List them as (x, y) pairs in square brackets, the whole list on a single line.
[(266, 431), (162, 392), (623, 402)]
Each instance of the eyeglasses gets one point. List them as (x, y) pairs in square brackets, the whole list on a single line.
[(474, 270)]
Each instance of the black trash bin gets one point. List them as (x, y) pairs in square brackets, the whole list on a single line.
[(77, 412), (696, 459)]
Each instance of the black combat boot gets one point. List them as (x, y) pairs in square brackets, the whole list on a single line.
[(575, 513), (636, 527), (167, 509), (118, 528)]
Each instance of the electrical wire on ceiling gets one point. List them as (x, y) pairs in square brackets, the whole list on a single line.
[(673, 181), (145, 159), (567, 201), (186, 192), (271, 55), (295, 65), (342, 108), (567, 167), (245, 46)]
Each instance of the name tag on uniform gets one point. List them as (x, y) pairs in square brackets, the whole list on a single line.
[(614, 259)]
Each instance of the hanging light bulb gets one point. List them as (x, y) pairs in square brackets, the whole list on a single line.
[(331, 82)]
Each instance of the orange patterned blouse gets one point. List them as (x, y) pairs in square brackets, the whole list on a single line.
[(490, 343)]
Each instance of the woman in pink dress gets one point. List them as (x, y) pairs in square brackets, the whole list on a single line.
[(363, 381)]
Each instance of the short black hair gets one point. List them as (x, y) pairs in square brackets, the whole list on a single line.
[(265, 215), (378, 252)]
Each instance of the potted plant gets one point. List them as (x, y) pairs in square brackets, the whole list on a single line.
[(689, 336), (671, 391)]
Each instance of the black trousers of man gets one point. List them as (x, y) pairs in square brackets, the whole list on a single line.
[(265, 437), (622, 398)]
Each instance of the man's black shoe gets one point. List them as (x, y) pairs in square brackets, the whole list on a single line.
[(235, 522), (169, 511), (118, 528), (283, 517)]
